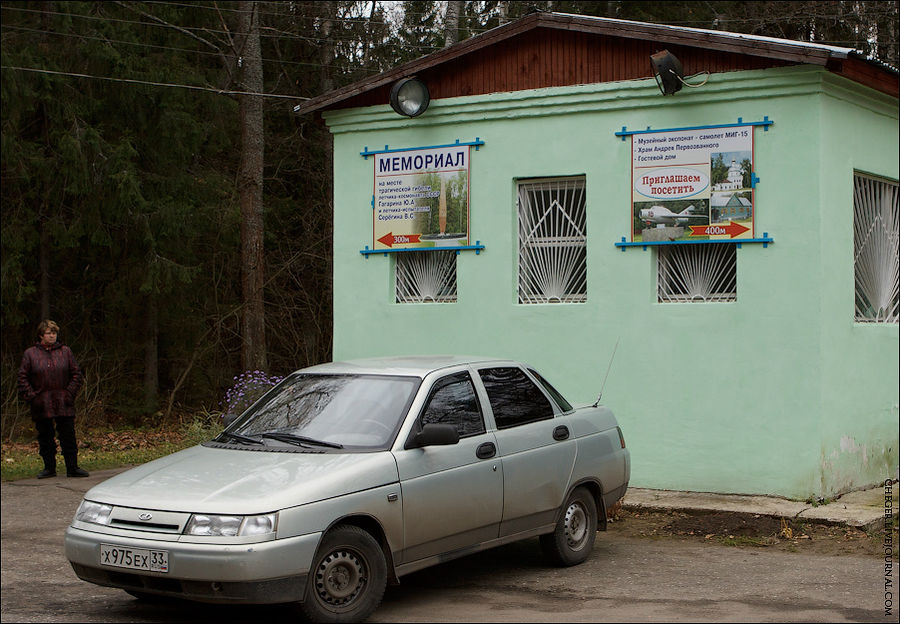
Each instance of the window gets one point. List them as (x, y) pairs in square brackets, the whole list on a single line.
[(875, 232), (453, 402), (560, 400), (697, 273), (426, 277), (515, 400), (354, 410), (552, 241)]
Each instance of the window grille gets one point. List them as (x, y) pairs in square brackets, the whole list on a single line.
[(875, 232), (426, 277), (552, 241), (698, 273)]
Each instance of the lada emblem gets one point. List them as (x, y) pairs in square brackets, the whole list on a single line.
[(146, 516)]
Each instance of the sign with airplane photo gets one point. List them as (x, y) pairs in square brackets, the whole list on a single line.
[(692, 185)]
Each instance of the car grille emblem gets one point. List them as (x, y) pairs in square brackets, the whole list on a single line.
[(146, 516)]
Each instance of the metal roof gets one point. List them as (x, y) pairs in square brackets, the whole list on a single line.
[(836, 51)]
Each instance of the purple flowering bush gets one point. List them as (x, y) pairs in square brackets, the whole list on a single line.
[(247, 388)]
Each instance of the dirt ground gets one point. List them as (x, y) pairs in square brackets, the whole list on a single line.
[(748, 531), (666, 567)]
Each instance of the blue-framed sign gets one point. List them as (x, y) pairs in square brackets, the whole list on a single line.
[(693, 184), (420, 198)]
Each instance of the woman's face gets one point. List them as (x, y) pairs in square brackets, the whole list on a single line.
[(48, 337)]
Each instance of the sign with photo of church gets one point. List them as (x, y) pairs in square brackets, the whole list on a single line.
[(692, 184)]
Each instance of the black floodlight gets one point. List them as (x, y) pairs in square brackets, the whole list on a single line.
[(668, 72), (409, 97)]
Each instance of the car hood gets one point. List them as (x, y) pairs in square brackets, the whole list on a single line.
[(232, 481)]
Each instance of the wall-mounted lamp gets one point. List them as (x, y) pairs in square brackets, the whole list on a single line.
[(668, 72), (409, 97)]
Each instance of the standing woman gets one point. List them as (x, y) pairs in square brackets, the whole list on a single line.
[(49, 379)]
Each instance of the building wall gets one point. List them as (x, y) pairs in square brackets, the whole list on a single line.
[(860, 361), (732, 397)]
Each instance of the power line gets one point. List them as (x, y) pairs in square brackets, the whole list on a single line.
[(280, 33), (284, 62), (153, 24), (154, 84), (167, 48), (293, 14)]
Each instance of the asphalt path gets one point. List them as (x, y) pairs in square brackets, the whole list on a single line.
[(626, 579)]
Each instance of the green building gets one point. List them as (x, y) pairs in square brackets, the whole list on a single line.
[(552, 205)]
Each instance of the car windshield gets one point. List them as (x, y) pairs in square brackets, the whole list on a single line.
[(330, 411)]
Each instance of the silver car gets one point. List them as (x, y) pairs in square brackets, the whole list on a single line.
[(348, 475)]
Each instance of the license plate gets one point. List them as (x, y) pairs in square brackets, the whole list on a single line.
[(134, 558)]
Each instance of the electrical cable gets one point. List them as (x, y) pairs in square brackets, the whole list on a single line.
[(155, 84)]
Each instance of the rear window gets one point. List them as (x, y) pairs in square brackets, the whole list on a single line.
[(514, 398), (560, 400)]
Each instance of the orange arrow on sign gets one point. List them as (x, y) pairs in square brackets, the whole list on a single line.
[(390, 239), (733, 229)]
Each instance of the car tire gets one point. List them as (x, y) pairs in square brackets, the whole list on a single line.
[(347, 578), (573, 538)]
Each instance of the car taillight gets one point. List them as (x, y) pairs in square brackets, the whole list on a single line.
[(621, 437)]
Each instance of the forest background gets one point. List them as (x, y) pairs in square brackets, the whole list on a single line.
[(162, 202)]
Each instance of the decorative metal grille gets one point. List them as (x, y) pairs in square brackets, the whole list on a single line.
[(697, 273), (875, 234), (426, 277), (552, 241)]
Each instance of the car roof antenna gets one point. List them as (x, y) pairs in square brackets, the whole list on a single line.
[(605, 377)]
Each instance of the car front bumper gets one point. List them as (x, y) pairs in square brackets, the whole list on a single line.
[(258, 573)]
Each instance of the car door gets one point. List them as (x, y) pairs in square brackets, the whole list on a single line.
[(536, 449), (453, 494)]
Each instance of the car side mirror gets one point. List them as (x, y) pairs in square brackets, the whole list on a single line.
[(435, 434)]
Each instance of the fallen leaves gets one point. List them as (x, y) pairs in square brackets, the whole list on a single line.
[(786, 531), (101, 441)]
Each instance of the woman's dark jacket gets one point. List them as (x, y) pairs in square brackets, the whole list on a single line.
[(49, 379)]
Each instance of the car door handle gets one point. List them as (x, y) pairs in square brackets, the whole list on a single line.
[(486, 450), (561, 433)]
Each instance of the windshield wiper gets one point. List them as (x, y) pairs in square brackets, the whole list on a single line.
[(239, 438), (290, 438)]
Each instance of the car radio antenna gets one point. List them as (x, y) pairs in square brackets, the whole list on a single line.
[(605, 377)]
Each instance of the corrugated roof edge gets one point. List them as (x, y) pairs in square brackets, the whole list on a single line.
[(835, 51), (841, 52)]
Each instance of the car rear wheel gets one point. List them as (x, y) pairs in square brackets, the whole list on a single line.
[(573, 539), (347, 579)]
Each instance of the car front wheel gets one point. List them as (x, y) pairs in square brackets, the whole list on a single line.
[(573, 539), (348, 577)]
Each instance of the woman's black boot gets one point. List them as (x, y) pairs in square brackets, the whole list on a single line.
[(72, 469)]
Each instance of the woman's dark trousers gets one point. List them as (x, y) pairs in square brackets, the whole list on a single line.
[(65, 431)]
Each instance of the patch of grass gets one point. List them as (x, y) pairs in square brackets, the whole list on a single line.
[(102, 449)]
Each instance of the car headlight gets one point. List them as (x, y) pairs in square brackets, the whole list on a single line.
[(231, 526), (259, 525), (96, 513)]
